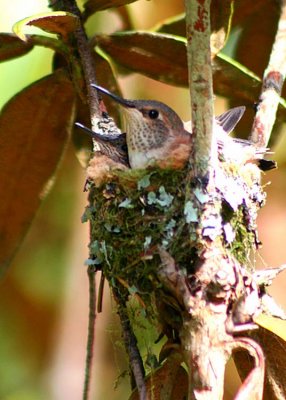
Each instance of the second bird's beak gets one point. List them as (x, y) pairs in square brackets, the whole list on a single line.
[(118, 99)]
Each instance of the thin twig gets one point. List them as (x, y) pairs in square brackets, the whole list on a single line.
[(273, 80), (131, 347), (200, 82), (91, 330), (88, 68), (86, 58)]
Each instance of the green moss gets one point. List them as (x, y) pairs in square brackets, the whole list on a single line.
[(139, 210)]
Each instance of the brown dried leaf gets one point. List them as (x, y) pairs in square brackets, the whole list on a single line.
[(170, 381), (274, 349), (59, 22), (34, 128), (92, 6), (11, 47)]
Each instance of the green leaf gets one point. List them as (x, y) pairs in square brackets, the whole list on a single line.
[(59, 22), (34, 128), (92, 6), (11, 47)]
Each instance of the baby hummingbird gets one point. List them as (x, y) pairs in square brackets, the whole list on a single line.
[(155, 134)]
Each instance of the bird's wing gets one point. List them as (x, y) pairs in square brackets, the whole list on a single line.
[(229, 119)]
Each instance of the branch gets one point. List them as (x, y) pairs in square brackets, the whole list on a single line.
[(200, 82), (273, 80), (86, 58), (131, 347), (91, 330)]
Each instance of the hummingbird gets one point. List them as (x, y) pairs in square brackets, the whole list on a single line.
[(156, 135)]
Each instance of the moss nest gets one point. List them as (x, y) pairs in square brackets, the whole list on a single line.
[(137, 210)]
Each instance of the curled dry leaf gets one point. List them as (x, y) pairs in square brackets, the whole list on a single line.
[(274, 349), (59, 22), (169, 381), (11, 47), (34, 128)]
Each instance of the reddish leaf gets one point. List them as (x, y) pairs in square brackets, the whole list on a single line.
[(244, 8), (163, 57), (11, 46), (58, 22), (158, 56), (34, 128), (274, 349), (169, 381)]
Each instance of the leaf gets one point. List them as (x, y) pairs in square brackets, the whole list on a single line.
[(11, 47), (59, 22), (274, 349), (169, 381), (92, 6), (272, 324), (34, 128), (244, 8), (255, 38), (159, 56), (221, 14), (175, 25), (163, 57)]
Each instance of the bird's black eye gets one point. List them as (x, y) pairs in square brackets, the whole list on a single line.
[(153, 114)]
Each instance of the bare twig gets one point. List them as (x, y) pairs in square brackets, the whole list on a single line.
[(200, 82), (132, 350), (88, 68), (86, 58), (273, 79), (91, 330)]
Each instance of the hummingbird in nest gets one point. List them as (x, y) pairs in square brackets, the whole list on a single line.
[(156, 135)]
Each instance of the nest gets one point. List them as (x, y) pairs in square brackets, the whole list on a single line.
[(133, 212)]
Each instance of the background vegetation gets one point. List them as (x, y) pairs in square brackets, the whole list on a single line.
[(43, 296)]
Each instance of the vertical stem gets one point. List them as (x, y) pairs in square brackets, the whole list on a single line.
[(273, 80), (86, 57), (91, 330), (88, 68), (200, 82)]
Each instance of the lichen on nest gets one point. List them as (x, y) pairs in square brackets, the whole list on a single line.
[(135, 211)]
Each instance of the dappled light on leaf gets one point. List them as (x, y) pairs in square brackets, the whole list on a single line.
[(34, 128), (61, 23)]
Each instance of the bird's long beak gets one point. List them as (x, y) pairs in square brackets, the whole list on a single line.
[(118, 99)]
